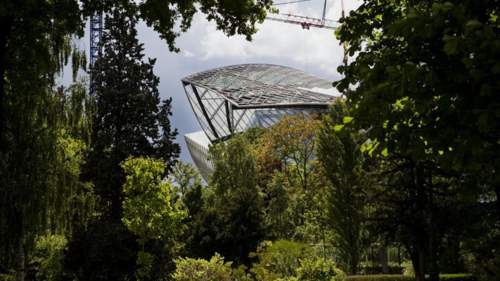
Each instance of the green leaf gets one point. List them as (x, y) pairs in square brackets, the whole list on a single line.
[(467, 62), (347, 119), (485, 89), (451, 45), (486, 122), (385, 153), (338, 127), (414, 14), (496, 68), (448, 6), (471, 24), (436, 7)]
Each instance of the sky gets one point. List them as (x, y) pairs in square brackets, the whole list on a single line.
[(315, 51)]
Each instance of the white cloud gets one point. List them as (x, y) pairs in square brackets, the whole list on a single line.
[(188, 54), (310, 49)]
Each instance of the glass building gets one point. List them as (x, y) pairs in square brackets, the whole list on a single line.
[(231, 99)]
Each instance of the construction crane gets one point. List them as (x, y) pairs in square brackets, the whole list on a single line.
[(96, 25), (305, 22)]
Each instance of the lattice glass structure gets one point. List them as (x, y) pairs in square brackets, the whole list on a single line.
[(234, 98)]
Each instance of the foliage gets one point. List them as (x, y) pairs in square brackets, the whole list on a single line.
[(40, 167), (444, 277), (236, 201), (185, 176), (6, 277), (199, 269), (102, 248), (280, 259), (46, 260), (342, 162), (319, 269), (481, 253), (427, 94), (288, 175), (129, 122), (280, 215), (41, 31), (292, 141), (147, 209), (407, 268), (414, 84)]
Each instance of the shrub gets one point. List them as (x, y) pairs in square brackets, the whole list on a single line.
[(319, 270), (442, 277), (379, 278), (199, 269), (278, 260)]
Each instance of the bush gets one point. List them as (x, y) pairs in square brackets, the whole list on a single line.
[(442, 277), (379, 278), (319, 270), (199, 269), (279, 260)]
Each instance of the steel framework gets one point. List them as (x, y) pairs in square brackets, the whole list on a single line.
[(96, 25), (305, 22), (233, 98)]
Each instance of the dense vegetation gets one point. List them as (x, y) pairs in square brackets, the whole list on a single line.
[(397, 178)]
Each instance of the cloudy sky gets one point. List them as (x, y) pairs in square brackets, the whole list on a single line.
[(315, 51)]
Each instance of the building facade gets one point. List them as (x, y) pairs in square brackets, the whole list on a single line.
[(231, 99)]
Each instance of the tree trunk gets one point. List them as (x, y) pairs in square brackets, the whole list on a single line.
[(383, 254), (399, 255), (417, 255), (6, 24), (21, 258), (433, 267), (421, 263)]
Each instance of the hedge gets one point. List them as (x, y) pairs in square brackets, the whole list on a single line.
[(443, 277)]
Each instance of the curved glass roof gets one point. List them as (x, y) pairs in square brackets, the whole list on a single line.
[(232, 98)]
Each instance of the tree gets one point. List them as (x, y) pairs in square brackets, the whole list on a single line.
[(237, 200), (342, 162), (54, 23), (185, 178), (287, 150), (292, 141), (46, 30), (428, 94), (147, 209), (425, 86), (47, 136), (129, 122)]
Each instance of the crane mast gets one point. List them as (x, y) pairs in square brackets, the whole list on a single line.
[(96, 26)]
